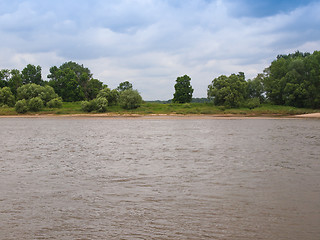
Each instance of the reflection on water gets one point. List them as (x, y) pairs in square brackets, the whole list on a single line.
[(159, 179)]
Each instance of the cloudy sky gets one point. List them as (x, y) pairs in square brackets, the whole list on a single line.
[(152, 42)]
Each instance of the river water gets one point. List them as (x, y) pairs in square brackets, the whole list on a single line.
[(105, 178)]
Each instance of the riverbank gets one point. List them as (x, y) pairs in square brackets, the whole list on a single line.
[(165, 116), (158, 110)]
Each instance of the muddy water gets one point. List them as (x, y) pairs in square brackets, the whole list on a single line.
[(159, 179)]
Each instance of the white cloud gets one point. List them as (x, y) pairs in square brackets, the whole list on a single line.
[(152, 42)]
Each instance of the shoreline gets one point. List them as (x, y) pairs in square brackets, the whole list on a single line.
[(166, 116)]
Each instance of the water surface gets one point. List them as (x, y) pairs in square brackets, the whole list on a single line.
[(98, 178)]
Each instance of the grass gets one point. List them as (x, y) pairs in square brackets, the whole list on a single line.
[(171, 108)]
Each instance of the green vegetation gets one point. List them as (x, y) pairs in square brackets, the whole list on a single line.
[(290, 85), (183, 90)]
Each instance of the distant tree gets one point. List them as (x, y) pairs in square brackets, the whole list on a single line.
[(130, 99), (32, 74), (183, 90), (294, 80), (15, 81), (74, 82), (228, 91), (124, 86), (255, 88), (92, 88), (64, 82), (4, 77)]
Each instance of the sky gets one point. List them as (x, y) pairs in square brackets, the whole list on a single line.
[(152, 42)]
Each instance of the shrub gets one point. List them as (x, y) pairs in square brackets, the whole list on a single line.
[(35, 104), (21, 106), (252, 103), (130, 99), (111, 95), (55, 103), (32, 90), (6, 97), (101, 104), (88, 106)]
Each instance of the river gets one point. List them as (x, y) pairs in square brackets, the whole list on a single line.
[(110, 178)]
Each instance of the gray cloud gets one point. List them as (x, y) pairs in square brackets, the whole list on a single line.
[(152, 42)]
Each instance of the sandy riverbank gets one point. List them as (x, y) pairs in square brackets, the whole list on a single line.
[(166, 116)]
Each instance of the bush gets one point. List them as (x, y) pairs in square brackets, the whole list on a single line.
[(101, 104), (111, 95), (130, 99), (32, 90), (21, 106), (252, 103), (6, 97), (88, 106), (35, 104), (55, 103)]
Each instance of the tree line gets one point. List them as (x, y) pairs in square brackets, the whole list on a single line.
[(292, 80), (71, 82)]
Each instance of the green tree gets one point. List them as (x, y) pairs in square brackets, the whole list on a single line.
[(4, 77), (228, 91), (124, 86), (294, 80), (78, 80), (32, 74), (255, 88), (130, 99), (15, 81), (183, 90), (6, 97), (64, 82), (93, 87)]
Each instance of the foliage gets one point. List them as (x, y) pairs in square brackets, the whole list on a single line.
[(99, 104), (21, 106), (255, 88), (252, 103), (6, 97), (15, 81), (35, 104), (4, 77), (73, 82), (183, 90), (124, 86), (32, 90), (55, 103), (130, 99), (32, 74), (111, 95), (294, 80), (229, 91), (92, 88)]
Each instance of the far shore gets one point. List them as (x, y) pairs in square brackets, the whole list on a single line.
[(165, 116)]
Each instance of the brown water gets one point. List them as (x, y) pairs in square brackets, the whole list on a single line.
[(159, 179)]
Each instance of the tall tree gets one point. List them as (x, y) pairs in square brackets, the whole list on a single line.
[(294, 80), (32, 74), (183, 90), (229, 91), (77, 78), (124, 86)]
